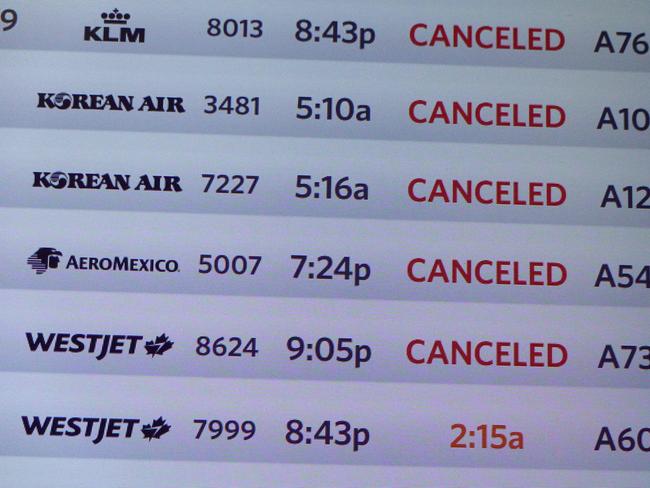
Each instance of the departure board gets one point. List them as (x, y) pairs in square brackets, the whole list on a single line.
[(400, 243)]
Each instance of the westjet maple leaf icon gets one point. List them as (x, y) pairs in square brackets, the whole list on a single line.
[(156, 429), (158, 346)]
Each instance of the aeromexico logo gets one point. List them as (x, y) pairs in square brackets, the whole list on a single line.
[(124, 103), (43, 259), (97, 345), (96, 429), (48, 258)]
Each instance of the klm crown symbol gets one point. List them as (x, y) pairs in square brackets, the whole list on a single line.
[(115, 17)]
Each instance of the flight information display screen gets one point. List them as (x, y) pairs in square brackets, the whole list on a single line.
[(325, 243)]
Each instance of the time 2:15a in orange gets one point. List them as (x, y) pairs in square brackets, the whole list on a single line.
[(486, 436)]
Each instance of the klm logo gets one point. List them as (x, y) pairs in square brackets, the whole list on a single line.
[(114, 29)]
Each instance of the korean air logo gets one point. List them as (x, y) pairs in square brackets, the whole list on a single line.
[(43, 259), (63, 100)]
